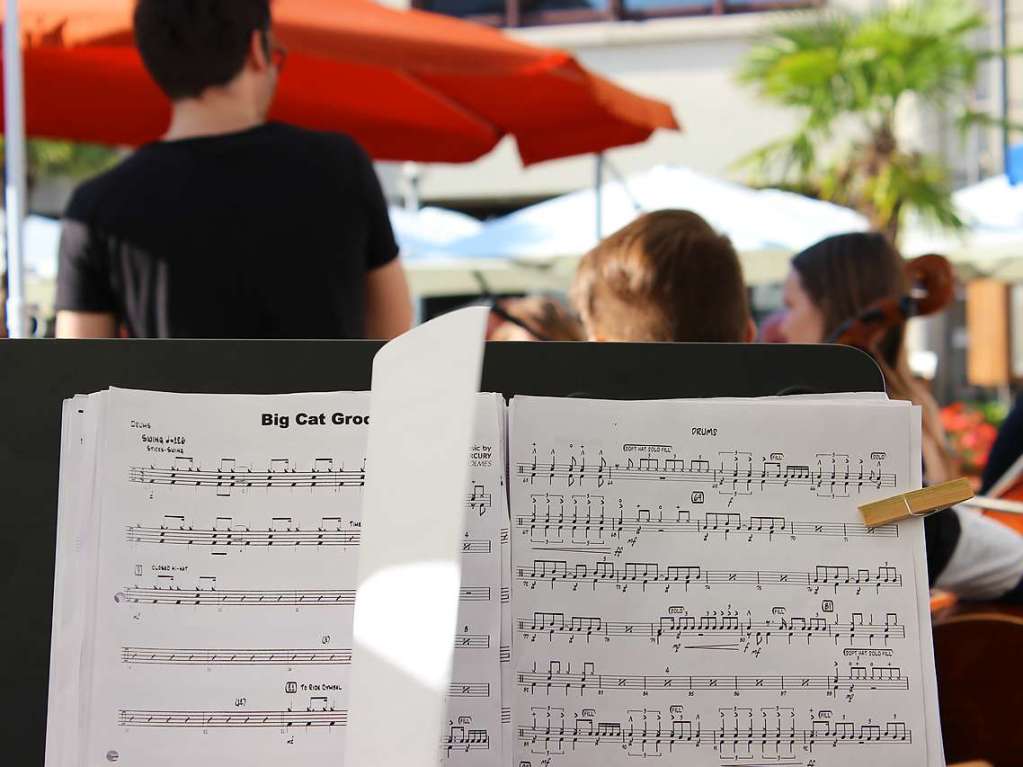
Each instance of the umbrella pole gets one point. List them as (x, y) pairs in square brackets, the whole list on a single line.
[(598, 194), (15, 172), (410, 175)]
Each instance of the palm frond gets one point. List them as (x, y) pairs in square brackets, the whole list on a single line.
[(841, 70)]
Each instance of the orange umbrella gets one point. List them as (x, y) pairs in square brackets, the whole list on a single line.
[(409, 85)]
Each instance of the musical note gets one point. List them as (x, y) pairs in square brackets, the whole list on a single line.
[(479, 501), (465, 739)]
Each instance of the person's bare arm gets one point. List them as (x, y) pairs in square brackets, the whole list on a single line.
[(86, 325), (388, 305)]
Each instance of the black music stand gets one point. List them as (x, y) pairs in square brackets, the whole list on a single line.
[(36, 376)]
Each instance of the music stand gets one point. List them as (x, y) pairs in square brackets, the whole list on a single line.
[(38, 375)]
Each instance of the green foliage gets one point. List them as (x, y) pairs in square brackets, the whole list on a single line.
[(850, 73), (47, 159)]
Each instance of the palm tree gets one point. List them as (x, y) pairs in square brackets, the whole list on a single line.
[(843, 71)]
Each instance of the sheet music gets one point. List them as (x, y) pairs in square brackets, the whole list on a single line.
[(228, 532), (693, 579), (680, 579)]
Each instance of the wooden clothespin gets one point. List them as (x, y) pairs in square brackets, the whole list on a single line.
[(918, 503)]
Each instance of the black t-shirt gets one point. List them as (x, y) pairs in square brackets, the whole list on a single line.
[(267, 233)]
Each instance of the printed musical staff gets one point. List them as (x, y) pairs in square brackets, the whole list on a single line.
[(235, 656), (457, 739), (169, 656), (649, 732), (472, 642), (280, 474), (586, 523), (469, 690), (242, 536), (558, 572), (239, 718), (883, 678), (175, 595), (831, 475), (719, 629)]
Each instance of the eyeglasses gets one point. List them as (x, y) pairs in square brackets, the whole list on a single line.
[(500, 312), (276, 52), (278, 55)]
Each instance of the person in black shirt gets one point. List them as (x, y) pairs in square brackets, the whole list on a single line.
[(229, 227), (1007, 449)]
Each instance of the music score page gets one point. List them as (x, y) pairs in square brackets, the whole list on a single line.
[(224, 577), (692, 581)]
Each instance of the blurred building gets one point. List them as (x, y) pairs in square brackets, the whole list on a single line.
[(687, 53)]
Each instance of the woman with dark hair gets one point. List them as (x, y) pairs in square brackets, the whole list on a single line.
[(834, 281)]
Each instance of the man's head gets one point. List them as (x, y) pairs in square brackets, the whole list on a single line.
[(667, 276), (191, 46)]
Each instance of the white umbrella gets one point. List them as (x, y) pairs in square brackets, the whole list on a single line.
[(39, 245), (41, 242), (766, 226), (755, 220), (423, 231), (992, 244), (992, 204)]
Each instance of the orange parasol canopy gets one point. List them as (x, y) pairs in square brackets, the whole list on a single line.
[(409, 85)]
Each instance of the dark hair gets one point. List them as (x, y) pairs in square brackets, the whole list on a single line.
[(667, 276), (846, 273), (191, 45)]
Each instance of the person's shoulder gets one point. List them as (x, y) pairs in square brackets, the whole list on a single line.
[(338, 145), (93, 194)]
